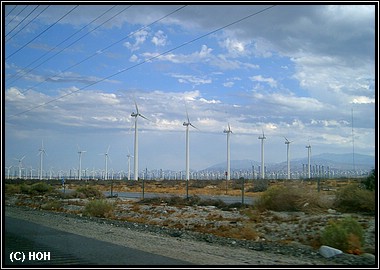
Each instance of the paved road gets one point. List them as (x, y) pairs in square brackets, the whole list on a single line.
[(69, 249), (224, 198), (139, 195)]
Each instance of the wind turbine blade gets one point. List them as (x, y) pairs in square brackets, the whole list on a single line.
[(286, 139), (187, 114), (22, 158), (144, 117), (108, 149), (193, 126), (137, 108)]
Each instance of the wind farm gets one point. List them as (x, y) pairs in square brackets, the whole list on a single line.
[(306, 168)]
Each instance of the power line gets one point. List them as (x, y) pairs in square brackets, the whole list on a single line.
[(22, 47), (30, 70), (11, 11), (21, 21), (145, 61), (8, 39), (105, 48), (16, 15)]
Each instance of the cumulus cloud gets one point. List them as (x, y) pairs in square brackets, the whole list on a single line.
[(191, 79), (140, 37), (270, 81), (159, 38)]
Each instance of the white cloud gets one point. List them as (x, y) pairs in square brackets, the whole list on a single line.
[(159, 38), (140, 38), (258, 78), (133, 58), (228, 84), (191, 79), (362, 100)]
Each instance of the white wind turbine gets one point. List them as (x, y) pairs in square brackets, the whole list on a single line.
[(228, 131), (287, 142), (136, 154), (129, 165), (308, 159), (187, 124), (9, 168), (41, 153), (106, 163), (80, 152), (19, 165), (262, 138)]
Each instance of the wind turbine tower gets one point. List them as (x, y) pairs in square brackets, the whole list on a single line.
[(228, 131), (187, 124), (262, 138), (308, 160), (136, 154), (80, 152), (287, 142), (19, 166), (106, 163), (129, 165), (41, 153)]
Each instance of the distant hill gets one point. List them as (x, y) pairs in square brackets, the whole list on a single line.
[(334, 161)]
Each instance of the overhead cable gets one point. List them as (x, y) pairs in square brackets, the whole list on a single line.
[(22, 47), (25, 71), (143, 62), (104, 49), (24, 27), (21, 21)]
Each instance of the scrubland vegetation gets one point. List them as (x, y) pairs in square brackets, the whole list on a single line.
[(345, 232)]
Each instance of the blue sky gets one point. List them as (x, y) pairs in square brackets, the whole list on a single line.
[(291, 70)]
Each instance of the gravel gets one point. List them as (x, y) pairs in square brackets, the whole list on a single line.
[(196, 248)]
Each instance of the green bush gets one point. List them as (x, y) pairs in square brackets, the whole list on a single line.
[(352, 198), (40, 188), (290, 198), (279, 198), (52, 205), (25, 188), (346, 235), (370, 182), (88, 192), (99, 208), (12, 189)]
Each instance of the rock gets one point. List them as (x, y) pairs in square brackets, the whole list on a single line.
[(331, 211), (369, 256), (329, 252)]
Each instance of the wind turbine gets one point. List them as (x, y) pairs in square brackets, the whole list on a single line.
[(228, 131), (8, 168), (287, 142), (19, 166), (41, 153), (262, 138), (106, 163), (136, 165), (187, 124), (129, 165), (308, 159), (80, 152)]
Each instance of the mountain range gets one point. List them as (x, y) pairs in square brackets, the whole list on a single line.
[(334, 161)]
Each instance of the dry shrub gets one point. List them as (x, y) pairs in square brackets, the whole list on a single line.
[(352, 198), (345, 234), (99, 208), (56, 205), (88, 192), (290, 198), (11, 189)]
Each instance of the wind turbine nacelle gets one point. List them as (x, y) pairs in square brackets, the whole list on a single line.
[(185, 124), (133, 114)]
